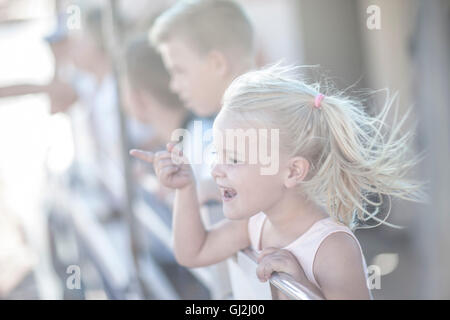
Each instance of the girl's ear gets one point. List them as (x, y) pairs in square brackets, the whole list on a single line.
[(297, 169), (218, 62)]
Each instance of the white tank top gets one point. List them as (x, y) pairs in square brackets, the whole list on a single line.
[(304, 247)]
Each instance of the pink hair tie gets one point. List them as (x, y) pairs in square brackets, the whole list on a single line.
[(317, 100)]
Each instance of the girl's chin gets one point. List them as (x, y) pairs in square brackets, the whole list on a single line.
[(231, 213)]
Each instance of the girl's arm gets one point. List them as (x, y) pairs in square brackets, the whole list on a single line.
[(193, 245), (339, 270)]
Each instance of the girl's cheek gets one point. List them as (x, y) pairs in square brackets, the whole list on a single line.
[(229, 171), (239, 167), (244, 177), (234, 173)]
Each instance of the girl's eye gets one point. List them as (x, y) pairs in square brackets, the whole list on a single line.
[(233, 161)]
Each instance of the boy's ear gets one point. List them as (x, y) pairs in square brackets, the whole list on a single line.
[(297, 169), (218, 62)]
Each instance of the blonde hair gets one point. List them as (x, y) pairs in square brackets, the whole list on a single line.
[(207, 25), (352, 155)]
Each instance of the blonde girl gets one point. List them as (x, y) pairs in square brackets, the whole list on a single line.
[(334, 163)]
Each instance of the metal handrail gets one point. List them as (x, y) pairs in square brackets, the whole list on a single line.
[(285, 283)]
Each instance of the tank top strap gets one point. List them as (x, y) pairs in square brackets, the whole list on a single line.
[(306, 250), (254, 229)]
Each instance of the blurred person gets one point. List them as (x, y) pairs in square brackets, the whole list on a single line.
[(60, 91), (83, 74), (96, 89), (204, 45), (148, 97), (96, 176), (299, 218), (147, 94), (18, 261)]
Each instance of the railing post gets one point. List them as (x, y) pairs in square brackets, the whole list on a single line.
[(114, 37)]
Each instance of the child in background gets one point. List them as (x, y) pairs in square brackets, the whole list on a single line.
[(332, 157), (60, 92), (148, 97), (147, 94), (204, 44)]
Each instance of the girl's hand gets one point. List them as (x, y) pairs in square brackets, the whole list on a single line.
[(170, 167), (279, 260)]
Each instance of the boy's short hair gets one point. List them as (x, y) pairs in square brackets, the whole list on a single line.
[(207, 25), (145, 71)]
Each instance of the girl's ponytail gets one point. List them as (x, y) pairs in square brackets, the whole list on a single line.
[(364, 158), (353, 156)]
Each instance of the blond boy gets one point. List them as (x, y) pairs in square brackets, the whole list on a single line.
[(204, 44)]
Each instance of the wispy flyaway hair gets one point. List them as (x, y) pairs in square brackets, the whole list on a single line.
[(354, 157)]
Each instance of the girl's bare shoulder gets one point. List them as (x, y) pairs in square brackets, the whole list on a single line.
[(338, 267)]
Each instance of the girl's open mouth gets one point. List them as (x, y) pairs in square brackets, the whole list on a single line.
[(228, 193)]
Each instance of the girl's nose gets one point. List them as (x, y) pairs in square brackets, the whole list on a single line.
[(217, 171)]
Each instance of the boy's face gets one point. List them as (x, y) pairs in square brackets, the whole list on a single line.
[(142, 105), (135, 105), (194, 77)]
